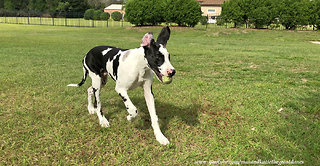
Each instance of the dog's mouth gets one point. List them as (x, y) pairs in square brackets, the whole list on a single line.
[(158, 74)]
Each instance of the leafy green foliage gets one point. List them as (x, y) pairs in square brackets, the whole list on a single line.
[(92, 14), (232, 12), (293, 13), (104, 16), (97, 14), (204, 20), (116, 16), (45, 5), (145, 12), (314, 16), (260, 13), (183, 12), (89, 14)]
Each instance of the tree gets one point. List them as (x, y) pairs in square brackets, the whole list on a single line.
[(314, 17), (231, 12), (63, 7), (88, 15), (293, 13), (262, 13), (104, 16), (183, 12), (116, 16), (97, 14), (145, 12)]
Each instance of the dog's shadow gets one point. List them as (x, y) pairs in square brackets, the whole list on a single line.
[(188, 114)]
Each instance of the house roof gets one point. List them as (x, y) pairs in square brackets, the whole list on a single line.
[(211, 2), (114, 7)]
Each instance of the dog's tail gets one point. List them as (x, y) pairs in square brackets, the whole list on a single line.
[(85, 73)]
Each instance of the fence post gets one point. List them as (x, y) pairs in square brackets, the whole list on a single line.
[(207, 22), (79, 18), (5, 17), (107, 22), (122, 21), (65, 19), (28, 17), (40, 18), (52, 19), (92, 22)]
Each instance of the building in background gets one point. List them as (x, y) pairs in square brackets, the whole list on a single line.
[(114, 7), (211, 8)]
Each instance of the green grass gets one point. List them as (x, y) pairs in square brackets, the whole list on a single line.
[(223, 103)]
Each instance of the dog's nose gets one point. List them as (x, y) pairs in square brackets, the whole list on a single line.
[(171, 72)]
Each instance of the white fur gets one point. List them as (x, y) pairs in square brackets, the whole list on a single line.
[(104, 52)]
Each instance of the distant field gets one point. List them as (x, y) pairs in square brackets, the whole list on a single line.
[(238, 95)]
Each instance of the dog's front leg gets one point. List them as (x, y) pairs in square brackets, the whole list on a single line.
[(132, 110), (152, 111)]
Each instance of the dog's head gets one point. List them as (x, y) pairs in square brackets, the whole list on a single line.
[(157, 54)]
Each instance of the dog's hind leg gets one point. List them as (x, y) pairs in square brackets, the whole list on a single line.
[(91, 108), (96, 87), (132, 110)]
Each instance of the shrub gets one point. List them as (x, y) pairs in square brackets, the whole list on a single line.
[(88, 15), (104, 16), (231, 12), (314, 17), (145, 12), (97, 14), (220, 21), (183, 12), (204, 20), (116, 16), (293, 13)]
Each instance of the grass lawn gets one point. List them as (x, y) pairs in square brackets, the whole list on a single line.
[(238, 94)]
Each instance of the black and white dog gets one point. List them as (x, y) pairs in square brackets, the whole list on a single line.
[(129, 68)]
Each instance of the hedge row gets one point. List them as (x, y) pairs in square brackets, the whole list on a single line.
[(260, 13), (146, 12), (92, 14)]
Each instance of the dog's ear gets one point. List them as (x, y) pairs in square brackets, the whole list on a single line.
[(164, 36), (146, 40)]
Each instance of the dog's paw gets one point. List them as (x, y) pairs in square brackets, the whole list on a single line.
[(129, 118), (132, 115), (91, 110), (104, 122), (162, 140)]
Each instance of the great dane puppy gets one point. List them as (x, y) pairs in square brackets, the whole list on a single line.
[(129, 68)]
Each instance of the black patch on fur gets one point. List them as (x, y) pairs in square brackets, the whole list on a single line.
[(84, 77), (101, 112), (96, 61), (164, 36), (154, 57), (151, 91), (112, 77), (115, 66), (123, 98), (95, 99)]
